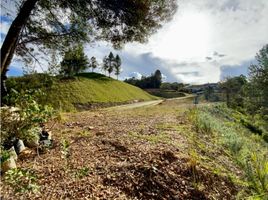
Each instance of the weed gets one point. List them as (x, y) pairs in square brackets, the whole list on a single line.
[(80, 173), (22, 180), (257, 174)]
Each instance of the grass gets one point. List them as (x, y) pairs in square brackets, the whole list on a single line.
[(245, 148), (83, 90)]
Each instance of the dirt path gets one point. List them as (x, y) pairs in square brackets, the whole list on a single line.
[(122, 153), (135, 105)]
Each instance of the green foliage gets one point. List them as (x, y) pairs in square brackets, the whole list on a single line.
[(233, 89), (85, 89), (74, 61), (257, 174), (171, 86), (153, 81), (21, 180), (93, 63), (21, 120), (117, 66), (4, 155), (80, 173), (257, 90), (65, 148), (221, 123)]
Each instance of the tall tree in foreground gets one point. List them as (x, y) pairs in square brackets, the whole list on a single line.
[(55, 24), (93, 63), (117, 65), (74, 61)]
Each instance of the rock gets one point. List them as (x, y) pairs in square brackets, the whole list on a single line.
[(8, 164), (90, 128), (19, 146), (13, 153), (183, 182)]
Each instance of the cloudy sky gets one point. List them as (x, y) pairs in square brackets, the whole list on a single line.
[(206, 41)]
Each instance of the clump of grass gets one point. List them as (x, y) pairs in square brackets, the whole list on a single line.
[(230, 134)]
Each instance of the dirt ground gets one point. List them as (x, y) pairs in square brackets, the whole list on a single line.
[(123, 154)]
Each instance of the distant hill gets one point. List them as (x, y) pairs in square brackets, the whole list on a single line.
[(84, 91)]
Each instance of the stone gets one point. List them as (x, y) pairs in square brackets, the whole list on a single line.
[(8, 164), (19, 146), (13, 153)]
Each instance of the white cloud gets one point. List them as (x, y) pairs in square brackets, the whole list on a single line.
[(186, 46), (235, 29)]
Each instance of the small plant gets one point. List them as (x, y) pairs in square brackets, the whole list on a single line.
[(257, 174), (80, 173), (4, 156), (65, 151), (22, 180)]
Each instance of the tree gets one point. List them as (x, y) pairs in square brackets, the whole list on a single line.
[(257, 89), (111, 63), (233, 89), (157, 79), (105, 64), (117, 65), (55, 24), (93, 63), (74, 61)]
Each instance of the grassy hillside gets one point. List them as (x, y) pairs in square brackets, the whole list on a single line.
[(83, 91)]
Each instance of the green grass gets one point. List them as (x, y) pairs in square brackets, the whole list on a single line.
[(84, 89), (165, 93), (248, 150)]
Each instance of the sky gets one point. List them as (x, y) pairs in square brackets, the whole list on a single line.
[(207, 41)]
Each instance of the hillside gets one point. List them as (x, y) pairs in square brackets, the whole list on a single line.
[(87, 90)]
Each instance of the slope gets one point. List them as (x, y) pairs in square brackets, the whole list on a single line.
[(84, 91)]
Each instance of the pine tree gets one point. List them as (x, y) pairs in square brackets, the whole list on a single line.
[(111, 63), (93, 63), (74, 61), (105, 64), (118, 63)]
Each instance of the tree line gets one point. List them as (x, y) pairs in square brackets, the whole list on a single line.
[(153, 81), (250, 94), (75, 61)]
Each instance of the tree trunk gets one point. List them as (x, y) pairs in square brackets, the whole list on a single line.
[(9, 45)]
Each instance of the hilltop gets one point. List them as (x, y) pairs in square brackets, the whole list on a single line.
[(84, 91)]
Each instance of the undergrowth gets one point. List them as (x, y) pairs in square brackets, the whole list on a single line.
[(245, 147)]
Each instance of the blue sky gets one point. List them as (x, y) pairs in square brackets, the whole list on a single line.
[(206, 41)]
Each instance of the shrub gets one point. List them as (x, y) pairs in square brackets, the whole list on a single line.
[(17, 122), (21, 180)]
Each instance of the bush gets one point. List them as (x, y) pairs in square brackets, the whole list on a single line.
[(17, 122)]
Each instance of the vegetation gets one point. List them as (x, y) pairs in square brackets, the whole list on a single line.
[(84, 90), (87, 21), (93, 63), (20, 122), (153, 81), (220, 125), (74, 61)]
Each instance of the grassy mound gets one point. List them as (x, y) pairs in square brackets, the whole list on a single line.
[(83, 91)]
